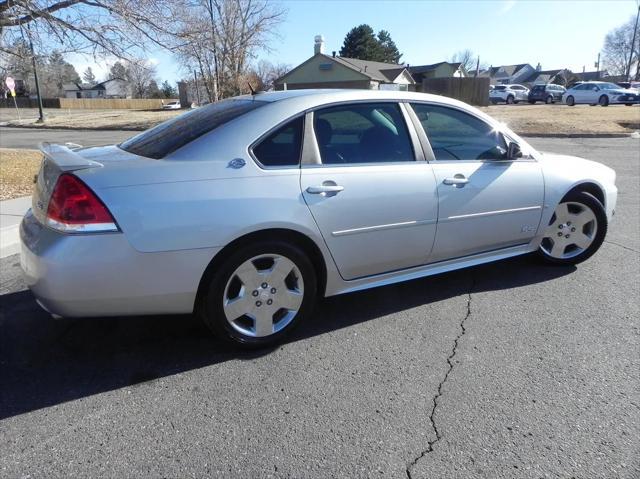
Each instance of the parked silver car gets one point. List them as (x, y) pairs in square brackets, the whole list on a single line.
[(247, 210)]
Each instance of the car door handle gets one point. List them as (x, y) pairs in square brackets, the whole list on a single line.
[(458, 180), (324, 189)]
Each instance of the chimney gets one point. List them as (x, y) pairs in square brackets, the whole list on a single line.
[(333, 53), (318, 45), (538, 67)]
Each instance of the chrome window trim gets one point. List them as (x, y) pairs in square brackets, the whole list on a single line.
[(461, 110), (253, 156), (314, 146)]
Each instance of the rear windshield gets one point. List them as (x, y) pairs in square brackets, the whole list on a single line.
[(172, 134), (500, 87), (538, 88)]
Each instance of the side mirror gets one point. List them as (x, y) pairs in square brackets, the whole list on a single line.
[(513, 151), (597, 88)]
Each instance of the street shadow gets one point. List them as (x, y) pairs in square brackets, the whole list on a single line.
[(44, 362)]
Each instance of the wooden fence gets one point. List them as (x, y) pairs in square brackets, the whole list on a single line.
[(469, 90), (87, 103)]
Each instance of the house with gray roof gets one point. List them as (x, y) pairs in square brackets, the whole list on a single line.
[(437, 70), (508, 74), (332, 71), (113, 88)]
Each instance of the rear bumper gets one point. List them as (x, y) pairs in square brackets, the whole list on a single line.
[(103, 275)]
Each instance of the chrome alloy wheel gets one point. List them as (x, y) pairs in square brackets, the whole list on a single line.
[(263, 295), (572, 229)]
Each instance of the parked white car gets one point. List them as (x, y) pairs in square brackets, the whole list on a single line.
[(509, 93), (174, 105), (600, 93)]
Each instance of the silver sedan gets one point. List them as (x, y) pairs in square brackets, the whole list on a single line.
[(247, 210)]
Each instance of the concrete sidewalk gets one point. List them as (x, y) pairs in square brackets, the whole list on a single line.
[(11, 213)]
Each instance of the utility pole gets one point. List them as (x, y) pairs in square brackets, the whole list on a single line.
[(598, 66), (35, 76), (477, 67), (195, 79), (633, 44)]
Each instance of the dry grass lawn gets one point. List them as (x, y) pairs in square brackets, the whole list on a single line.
[(101, 119), (562, 119), (17, 169)]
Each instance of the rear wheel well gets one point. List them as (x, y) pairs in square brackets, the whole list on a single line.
[(591, 188), (277, 234)]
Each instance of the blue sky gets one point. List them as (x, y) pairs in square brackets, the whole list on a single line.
[(557, 34)]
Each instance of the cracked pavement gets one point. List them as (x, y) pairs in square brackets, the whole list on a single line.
[(510, 369)]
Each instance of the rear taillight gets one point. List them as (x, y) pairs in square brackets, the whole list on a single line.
[(74, 208)]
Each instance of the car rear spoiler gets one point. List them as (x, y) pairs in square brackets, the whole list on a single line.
[(64, 158)]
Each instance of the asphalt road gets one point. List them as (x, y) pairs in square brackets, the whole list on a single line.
[(30, 137), (510, 370)]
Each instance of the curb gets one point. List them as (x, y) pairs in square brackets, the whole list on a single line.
[(46, 127), (9, 241), (578, 135)]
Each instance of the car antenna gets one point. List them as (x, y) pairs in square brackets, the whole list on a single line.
[(253, 92)]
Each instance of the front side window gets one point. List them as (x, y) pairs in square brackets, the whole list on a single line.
[(455, 135), (283, 146), (362, 133)]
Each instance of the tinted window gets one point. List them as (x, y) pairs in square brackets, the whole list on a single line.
[(500, 88), (282, 147), (455, 135), (538, 88), (172, 134), (362, 133)]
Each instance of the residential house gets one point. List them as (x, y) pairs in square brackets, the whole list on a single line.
[(332, 71), (436, 70), (113, 88), (508, 74), (593, 76)]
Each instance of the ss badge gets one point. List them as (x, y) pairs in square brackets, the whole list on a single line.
[(527, 229)]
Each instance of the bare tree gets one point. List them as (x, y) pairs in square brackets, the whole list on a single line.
[(140, 74), (618, 48), (267, 73), (93, 26), (219, 38), (466, 58)]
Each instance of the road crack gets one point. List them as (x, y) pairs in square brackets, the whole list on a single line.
[(622, 246), (438, 395)]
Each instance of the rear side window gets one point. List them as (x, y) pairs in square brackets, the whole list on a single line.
[(282, 147), (362, 133), (500, 88), (172, 134), (538, 88)]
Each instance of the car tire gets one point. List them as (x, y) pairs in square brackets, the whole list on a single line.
[(277, 292), (571, 101), (533, 102), (549, 100), (603, 100), (510, 100), (628, 104), (576, 230)]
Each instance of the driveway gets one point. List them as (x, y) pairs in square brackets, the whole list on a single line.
[(510, 369), (30, 137)]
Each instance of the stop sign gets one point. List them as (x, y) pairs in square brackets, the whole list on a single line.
[(11, 84)]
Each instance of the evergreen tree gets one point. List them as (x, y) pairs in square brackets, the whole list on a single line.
[(361, 43), (117, 70), (168, 90), (88, 76), (390, 53)]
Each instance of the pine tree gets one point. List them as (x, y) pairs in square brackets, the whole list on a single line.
[(390, 53), (117, 70), (361, 43), (88, 76), (168, 90)]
